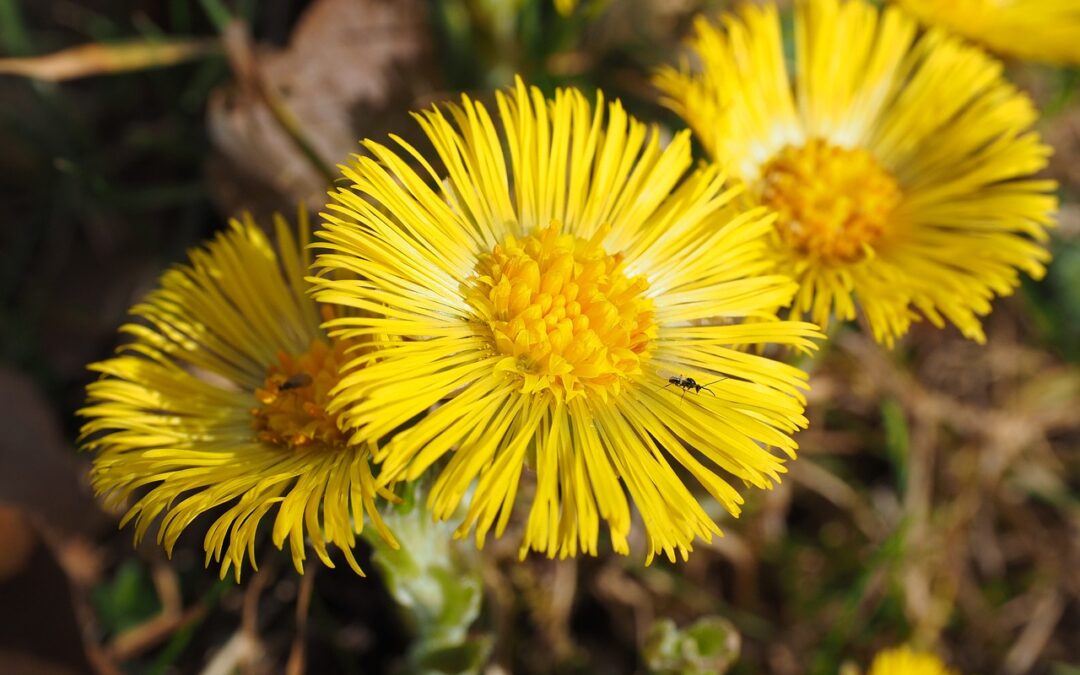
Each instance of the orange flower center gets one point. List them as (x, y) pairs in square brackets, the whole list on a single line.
[(294, 397), (833, 203), (563, 312)]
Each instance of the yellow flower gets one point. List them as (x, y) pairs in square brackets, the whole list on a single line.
[(900, 166), (542, 289), (1037, 30), (566, 7), (905, 661), (220, 399)]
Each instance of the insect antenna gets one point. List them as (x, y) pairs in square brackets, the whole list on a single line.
[(706, 386)]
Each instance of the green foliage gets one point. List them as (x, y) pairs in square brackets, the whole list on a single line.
[(896, 438), (1056, 300), (436, 582), (708, 646), (127, 599), (13, 36), (484, 43)]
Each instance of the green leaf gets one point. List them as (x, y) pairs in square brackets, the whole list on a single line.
[(708, 646), (128, 599), (436, 581)]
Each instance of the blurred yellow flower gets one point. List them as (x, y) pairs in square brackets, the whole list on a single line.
[(567, 7), (221, 399), (905, 661), (1036, 30), (543, 287), (901, 167)]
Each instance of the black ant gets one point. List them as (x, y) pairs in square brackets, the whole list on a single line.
[(297, 381), (690, 384)]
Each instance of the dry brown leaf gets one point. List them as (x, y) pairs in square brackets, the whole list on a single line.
[(348, 63), (107, 59), (38, 471), (17, 541)]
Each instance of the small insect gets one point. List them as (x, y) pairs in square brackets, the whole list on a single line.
[(689, 384), (297, 381)]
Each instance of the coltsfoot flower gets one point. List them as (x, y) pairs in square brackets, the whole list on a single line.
[(901, 166), (567, 7), (1034, 30), (221, 399), (539, 290), (906, 661)]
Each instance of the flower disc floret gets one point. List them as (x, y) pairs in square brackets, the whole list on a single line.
[(564, 313), (295, 396), (833, 203)]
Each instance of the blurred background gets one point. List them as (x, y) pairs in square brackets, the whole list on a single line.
[(935, 500)]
